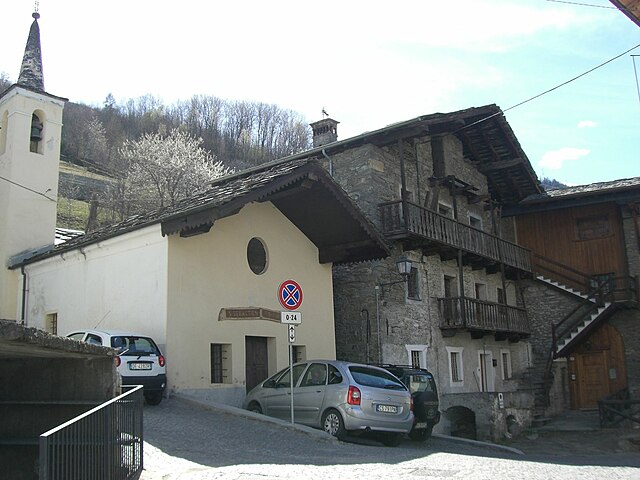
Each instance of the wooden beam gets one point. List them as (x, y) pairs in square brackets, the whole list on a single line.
[(501, 165)]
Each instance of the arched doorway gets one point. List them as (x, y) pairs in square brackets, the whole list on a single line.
[(462, 421), (596, 368)]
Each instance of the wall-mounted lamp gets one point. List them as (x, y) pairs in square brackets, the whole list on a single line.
[(404, 270)]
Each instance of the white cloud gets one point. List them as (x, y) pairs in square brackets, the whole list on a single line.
[(586, 124), (555, 158)]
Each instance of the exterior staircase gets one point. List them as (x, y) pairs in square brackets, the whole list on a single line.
[(598, 297)]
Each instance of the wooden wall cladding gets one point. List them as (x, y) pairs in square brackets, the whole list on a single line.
[(588, 238)]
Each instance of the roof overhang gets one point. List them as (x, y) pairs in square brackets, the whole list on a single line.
[(631, 8), (313, 202)]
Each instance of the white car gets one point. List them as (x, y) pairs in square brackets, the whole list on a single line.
[(139, 359)]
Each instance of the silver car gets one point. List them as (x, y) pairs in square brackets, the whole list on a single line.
[(339, 397)]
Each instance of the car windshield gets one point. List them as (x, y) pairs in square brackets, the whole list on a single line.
[(372, 377), (130, 345), (420, 382)]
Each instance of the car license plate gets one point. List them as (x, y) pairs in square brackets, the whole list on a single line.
[(420, 425), (386, 408), (139, 366)]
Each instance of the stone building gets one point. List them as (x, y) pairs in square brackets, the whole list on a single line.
[(435, 186)]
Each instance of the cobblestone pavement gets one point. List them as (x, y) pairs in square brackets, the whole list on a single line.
[(184, 441)]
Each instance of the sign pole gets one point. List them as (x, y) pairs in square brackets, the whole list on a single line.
[(291, 376)]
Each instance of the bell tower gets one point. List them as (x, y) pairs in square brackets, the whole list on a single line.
[(30, 134)]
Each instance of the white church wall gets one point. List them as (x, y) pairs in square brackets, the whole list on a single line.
[(119, 283)]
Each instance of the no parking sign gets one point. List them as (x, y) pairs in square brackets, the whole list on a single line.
[(290, 295)]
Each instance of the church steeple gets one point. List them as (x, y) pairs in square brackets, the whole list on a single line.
[(31, 71)]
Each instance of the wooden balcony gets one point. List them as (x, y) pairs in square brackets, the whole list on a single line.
[(446, 235), (481, 317)]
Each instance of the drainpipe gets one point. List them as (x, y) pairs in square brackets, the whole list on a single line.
[(378, 323), (24, 295), (330, 162)]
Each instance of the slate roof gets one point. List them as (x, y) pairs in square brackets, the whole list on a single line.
[(305, 189), (488, 143), (622, 191), (590, 189), (31, 75)]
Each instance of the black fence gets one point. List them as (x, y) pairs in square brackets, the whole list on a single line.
[(104, 443)]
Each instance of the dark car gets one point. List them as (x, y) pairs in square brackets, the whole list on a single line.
[(422, 386)]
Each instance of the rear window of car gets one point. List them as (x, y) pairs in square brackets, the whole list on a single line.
[(421, 382), (371, 377), (130, 345)]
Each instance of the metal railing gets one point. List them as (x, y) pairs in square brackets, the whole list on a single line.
[(482, 315), (438, 228), (104, 443), (617, 407)]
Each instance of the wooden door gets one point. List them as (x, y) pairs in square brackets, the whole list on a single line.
[(257, 365), (597, 368), (593, 380)]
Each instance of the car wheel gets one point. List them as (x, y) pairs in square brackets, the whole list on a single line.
[(254, 407), (153, 398), (391, 439), (420, 435), (332, 424)]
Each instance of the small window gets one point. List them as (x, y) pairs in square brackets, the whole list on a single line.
[(299, 353), (51, 323), (445, 210), (591, 228), (417, 355), (505, 356), (455, 366), (413, 285), (415, 358), (481, 291), (220, 363), (450, 286), (502, 298), (475, 221), (257, 256)]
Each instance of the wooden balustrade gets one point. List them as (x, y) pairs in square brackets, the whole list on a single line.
[(432, 226), (474, 314)]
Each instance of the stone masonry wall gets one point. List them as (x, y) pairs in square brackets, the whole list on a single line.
[(627, 322), (382, 325), (632, 247)]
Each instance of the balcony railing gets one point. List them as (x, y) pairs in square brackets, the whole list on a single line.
[(432, 226), (480, 315)]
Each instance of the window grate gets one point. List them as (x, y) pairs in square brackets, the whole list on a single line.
[(455, 367)]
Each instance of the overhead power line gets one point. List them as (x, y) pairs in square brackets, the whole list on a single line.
[(27, 188), (583, 4), (550, 89)]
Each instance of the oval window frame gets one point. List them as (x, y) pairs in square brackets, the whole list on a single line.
[(259, 268)]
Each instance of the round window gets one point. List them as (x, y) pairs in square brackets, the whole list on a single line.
[(257, 256)]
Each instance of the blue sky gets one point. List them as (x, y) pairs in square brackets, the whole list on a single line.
[(368, 63)]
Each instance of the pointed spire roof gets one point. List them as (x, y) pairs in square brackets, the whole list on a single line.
[(31, 70)]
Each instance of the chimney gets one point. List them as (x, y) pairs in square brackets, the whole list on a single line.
[(324, 131)]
